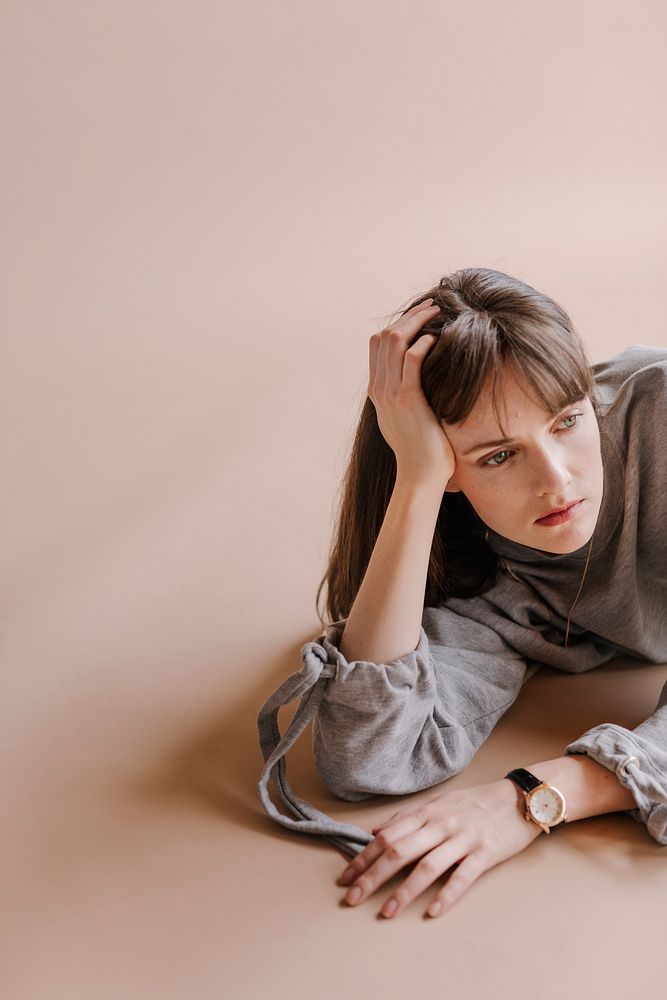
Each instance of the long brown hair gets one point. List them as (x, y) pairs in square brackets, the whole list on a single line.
[(486, 319)]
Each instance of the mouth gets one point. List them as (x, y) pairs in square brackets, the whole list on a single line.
[(561, 515)]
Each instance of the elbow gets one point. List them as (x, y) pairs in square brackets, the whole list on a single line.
[(354, 770), (347, 774)]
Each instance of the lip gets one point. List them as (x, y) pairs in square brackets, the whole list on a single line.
[(560, 515)]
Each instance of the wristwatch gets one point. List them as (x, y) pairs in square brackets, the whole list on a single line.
[(545, 805)]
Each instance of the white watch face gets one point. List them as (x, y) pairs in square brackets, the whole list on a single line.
[(547, 806)]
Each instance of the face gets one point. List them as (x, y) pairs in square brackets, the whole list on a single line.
[(546, 462)]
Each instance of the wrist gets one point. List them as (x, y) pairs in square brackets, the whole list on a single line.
[(423, 485), (512, 800), (589, 788)]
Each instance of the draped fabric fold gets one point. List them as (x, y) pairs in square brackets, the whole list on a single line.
[(309, 684)]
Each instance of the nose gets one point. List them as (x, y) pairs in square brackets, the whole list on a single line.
[(551, 476)]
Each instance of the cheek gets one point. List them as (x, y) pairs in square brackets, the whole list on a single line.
[(487, 493), (590, 458)]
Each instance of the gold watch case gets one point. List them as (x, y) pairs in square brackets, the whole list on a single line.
[(545, 805)]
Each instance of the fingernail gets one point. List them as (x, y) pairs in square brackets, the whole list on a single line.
[(390, 907), (347, 876), (434, 909), (354, 894)]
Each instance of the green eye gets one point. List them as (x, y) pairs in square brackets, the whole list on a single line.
[(490, 461)]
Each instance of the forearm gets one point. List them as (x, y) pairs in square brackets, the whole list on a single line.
[(590, 789), (385, 618)]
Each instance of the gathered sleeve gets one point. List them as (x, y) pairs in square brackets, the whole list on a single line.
[(638, 757), (399, 727), (389, 728)]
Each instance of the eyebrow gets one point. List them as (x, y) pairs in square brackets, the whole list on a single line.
[(494, 444), (489, 444)]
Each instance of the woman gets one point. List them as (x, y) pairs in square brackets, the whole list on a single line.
[(451, 581)]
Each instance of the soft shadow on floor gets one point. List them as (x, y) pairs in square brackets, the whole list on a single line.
[(219, 769)]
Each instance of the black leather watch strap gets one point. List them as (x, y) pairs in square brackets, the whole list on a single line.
[(526, 780)]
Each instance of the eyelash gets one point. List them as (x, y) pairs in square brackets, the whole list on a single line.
[(489, 464)]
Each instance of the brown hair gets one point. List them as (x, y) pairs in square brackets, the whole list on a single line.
[(486, 319)]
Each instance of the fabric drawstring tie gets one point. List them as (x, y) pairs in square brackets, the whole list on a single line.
[(309, 683)]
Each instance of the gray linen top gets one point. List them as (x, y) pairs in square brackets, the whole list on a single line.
[(395, 728)]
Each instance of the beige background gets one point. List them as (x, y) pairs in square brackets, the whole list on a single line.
[(207, 209)]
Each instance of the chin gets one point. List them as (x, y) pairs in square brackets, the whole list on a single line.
[(565, 547), (569, 543)]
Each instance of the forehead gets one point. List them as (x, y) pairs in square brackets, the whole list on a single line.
[(516, 403)]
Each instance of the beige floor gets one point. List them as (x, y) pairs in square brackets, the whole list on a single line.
[(142, 865), (207, 210)]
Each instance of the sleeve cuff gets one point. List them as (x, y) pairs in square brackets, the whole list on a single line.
[(639, 766)]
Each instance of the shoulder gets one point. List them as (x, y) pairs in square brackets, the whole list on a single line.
[(631, 388), (633, 371)]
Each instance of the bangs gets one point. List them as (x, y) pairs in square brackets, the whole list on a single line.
[(474, 351), (551, 384)]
